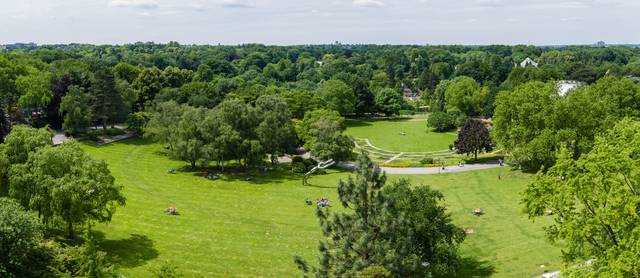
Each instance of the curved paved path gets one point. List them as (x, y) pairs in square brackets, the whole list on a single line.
[(430, 170), (438, 170)]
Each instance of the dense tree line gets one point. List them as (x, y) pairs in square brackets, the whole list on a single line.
[(350, 79), (533, 121)]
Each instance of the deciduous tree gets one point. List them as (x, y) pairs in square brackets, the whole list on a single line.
[(473, 138), (66, 183), (20, 234), (337, 96), (389, 101), (594, 203)]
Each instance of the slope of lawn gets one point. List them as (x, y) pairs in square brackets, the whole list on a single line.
[(236, 227), (505, 240), (386, 134)]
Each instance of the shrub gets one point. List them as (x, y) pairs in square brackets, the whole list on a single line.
[(301, 165), (138, 121), (427, 160), (441, 121), (297, 159), (375, 271), (166, 270), (404, 164)]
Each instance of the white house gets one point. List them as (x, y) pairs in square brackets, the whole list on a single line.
[(565, 86)]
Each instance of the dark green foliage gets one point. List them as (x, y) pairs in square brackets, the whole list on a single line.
[(375, 271), (81, 261), (389, 101), (301, 165), (5, 125), (473, 138), (149, 82), (108, 105), (427, 160), (323, 134), (337, 96), (77, 111), (406, 231), (166, 270), (441, 121), (187, 140), (20, 235), (275, 130), (138, 122)]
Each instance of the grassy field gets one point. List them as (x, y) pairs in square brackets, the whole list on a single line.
[(236, 227), (386, 134)]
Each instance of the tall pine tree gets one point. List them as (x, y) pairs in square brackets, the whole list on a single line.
[(396, 228), (108, 106)]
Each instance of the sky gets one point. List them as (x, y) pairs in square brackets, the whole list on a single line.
[(289, 22)]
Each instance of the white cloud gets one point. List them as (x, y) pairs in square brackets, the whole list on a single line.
[(142, 4), (236, 4), (368, 3)]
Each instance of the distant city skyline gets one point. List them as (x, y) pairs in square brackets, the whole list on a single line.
[(293, 22)]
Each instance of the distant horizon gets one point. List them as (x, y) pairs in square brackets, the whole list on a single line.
[(594, 44), (309, 22)]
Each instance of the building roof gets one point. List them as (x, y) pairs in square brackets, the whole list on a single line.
[(566, 86)]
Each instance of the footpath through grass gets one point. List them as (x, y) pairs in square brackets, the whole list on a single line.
[(251, 228)]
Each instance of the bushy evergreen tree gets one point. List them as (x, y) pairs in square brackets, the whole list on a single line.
[(403, 230)]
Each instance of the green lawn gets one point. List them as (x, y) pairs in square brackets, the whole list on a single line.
[(239, 228), (386, 134)]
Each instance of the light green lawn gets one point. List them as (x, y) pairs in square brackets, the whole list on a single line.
[(239, 228), (385, 134)]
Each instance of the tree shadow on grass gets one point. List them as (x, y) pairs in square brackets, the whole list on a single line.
[(131, 252), (136, 141), (472, 267), (357, 123)]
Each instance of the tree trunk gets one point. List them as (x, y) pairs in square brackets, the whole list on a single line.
[(475, 155), (104, 124), (70, 230)]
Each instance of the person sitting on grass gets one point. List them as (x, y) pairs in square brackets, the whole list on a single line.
[(324, 202)]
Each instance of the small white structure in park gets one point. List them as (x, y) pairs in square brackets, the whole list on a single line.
[(528, 62), (565, 86), (320, 166)]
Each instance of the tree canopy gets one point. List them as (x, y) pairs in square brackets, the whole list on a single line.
[(594, 203)]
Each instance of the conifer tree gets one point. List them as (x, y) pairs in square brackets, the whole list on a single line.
[(397, 228)]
